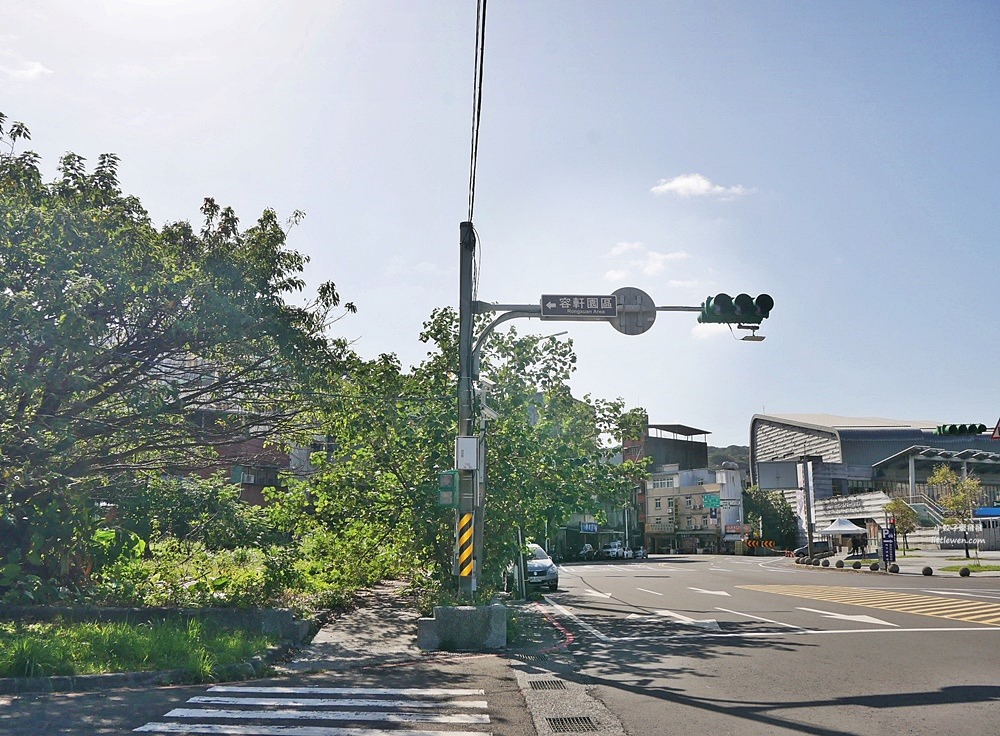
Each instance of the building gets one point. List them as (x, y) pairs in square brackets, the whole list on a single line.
[(830, 467), (682, 505), (691, 511)]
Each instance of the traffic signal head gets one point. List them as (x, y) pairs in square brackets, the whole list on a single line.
[(744, 309), (958, 429)]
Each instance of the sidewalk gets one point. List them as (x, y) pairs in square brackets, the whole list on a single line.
[(914, 561), (382, 630)]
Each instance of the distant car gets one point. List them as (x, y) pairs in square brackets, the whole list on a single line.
[(613, 550), (640, 553), (823, 546), (586, 552), (541, 569)]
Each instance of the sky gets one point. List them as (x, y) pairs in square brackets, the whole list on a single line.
[(839, 156)]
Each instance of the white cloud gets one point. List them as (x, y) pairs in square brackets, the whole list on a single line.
[(26, 70), (689, 284), (709, 331), (653, 262), (697, 185), (642, 259), (621, 248)]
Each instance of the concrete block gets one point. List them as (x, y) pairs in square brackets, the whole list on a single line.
[(464, 628)]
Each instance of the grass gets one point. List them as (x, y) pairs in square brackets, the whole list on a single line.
[(972, 568), (46, 649)]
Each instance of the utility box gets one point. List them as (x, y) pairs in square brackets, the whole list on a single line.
[(466, 453)]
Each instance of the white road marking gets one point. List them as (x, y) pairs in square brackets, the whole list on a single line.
[(990, 596), (231, 729), (599, 595), (719, 569), (342, 702), (412, 691), (845, 617), (649, 591), (583, 624), (710, 623), (329, 715), (710, 592), (758, 618)]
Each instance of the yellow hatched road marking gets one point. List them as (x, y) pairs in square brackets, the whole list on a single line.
[(954, 609)]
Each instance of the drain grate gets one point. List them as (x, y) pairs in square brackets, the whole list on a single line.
[(574, 724), (547, 685)]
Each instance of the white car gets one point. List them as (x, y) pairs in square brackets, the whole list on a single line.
[(613, 551), (541, 569)]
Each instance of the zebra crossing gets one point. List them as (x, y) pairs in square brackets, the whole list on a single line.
[(234, 710), (955, 609)]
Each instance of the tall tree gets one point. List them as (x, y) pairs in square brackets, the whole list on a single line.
[(130, 347), (960, 497), (904, 516), (769, 511)]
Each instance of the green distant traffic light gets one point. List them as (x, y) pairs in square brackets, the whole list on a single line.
[(744, 309), (958, 429)]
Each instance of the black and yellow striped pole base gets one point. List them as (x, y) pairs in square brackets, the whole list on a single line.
[(466, 563)]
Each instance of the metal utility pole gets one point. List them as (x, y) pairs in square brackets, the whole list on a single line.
[(467, 521)]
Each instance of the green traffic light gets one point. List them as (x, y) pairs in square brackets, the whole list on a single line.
[(743, 309)]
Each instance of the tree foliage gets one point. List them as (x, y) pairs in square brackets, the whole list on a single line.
[(779, 522), (959, 496), (130, 347), (904, 515)]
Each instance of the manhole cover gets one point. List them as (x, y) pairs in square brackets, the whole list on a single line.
[(547, 685), (574, 724)]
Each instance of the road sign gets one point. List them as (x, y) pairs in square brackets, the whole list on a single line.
[(579, 306), (738, 529), (769, 543), (996, 432), (711, 500), (588, 527), (889, 544), (637, 313), (730, 503)]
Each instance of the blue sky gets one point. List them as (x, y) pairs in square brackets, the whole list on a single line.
[(840, 156)]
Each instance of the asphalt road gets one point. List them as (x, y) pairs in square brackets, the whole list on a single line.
[(742, 645)]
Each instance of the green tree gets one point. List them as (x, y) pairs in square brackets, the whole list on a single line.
[(739, 454), (960, 497), (771, 508), (132, 348), (905, 516)]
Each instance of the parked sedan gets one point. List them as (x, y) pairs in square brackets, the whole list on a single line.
[(541, 569), (640, 553)]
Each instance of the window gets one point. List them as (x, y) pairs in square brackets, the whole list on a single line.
[(704, 521), (688, 502), (690, 522), (663, 483), (656, 503)]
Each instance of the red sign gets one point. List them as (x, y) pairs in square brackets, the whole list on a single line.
[(996, 431)]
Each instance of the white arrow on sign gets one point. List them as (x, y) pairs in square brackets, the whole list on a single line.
[(599, 595), (710, 592), (551, 305), (709, 624), (845, 617)]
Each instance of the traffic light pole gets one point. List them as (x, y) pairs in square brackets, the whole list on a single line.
[(467, 492), (629, 310)]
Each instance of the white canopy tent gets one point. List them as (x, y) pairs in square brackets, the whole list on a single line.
[(845, 527)]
